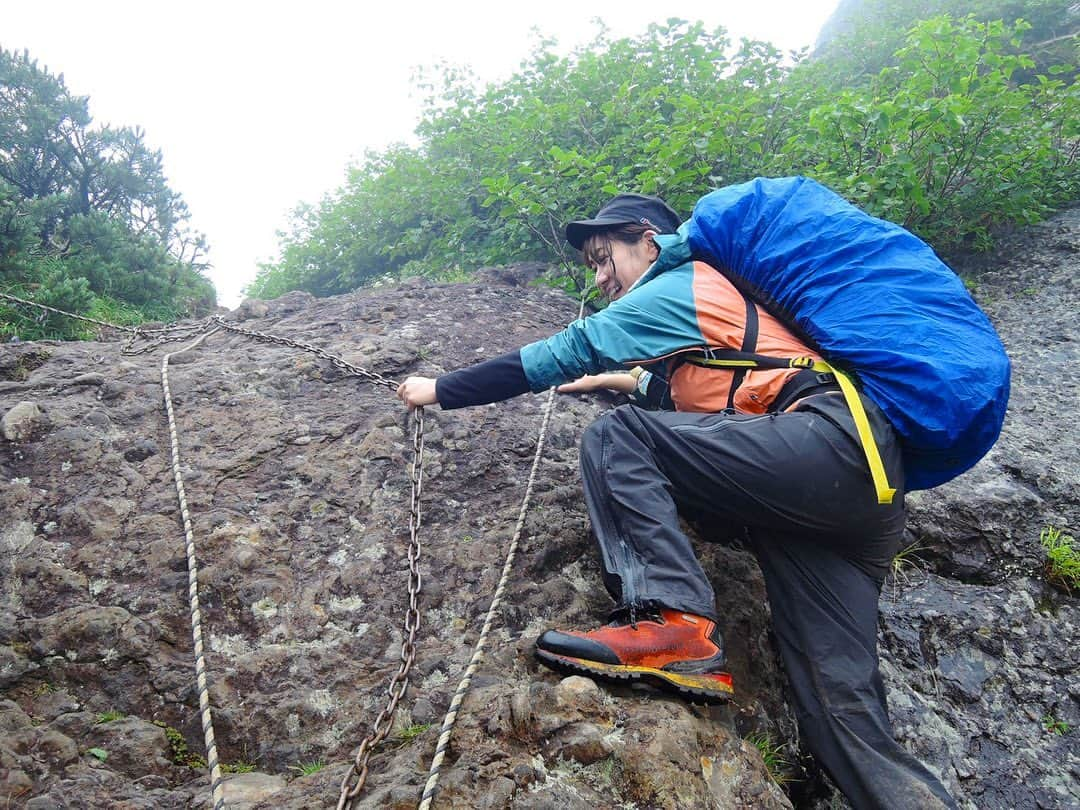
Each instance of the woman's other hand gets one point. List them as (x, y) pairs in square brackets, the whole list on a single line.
[(623, 383), (416, 392)]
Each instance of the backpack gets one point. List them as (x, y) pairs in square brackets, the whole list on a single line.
[(874, 300)]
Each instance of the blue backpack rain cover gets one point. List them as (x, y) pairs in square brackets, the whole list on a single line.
[(876, 301)]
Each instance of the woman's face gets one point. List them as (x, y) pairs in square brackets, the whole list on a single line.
[(619, 265)]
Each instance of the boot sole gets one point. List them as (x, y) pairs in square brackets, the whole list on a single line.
[(709, 688)]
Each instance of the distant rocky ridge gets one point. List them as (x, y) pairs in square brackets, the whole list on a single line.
[(297, 480)]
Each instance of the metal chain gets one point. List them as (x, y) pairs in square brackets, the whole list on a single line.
[(354, 779), (167, 334), (334, 360), (175, 332), (478, 651)]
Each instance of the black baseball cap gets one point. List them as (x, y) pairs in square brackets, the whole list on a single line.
[(626, 209)]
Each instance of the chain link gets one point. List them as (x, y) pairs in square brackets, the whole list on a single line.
[(175, 333), (166, 334), (357, 775)]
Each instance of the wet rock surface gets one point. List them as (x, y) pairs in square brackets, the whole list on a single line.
[(298, 487)]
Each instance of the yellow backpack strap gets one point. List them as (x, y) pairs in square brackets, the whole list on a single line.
[(862, 425), (730, 358), (734, 359)]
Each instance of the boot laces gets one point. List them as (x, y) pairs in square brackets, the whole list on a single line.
[(629, 616)]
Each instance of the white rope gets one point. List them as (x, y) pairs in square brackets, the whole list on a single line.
[(217, 789)]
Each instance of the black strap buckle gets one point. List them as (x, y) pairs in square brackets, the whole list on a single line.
[(801, 385)]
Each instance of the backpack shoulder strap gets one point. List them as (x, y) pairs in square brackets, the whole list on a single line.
[(749, 345)]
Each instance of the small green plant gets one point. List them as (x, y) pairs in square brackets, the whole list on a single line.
[(907, 560), (43, 688), (772, 754), (99, 753), (1055, 726), (1062, 559), (905, 564), (180, 753), (409, 733), (239, 766), (308, 768), (110, 716)]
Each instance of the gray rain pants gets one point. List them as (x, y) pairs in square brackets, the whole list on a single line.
[(800, 484)]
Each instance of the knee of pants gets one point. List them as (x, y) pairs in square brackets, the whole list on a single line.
[(613, 421)]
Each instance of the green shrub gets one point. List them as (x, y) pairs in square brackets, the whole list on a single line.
[(945, 143), (943, 140)]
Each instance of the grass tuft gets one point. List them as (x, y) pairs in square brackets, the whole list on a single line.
[(238, 767), (410, 733), (772, 754), (905, 564), (907, 560), (308, 768), (404, 735), (1062, 559)]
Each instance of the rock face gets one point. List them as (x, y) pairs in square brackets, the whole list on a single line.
[(20, 422), (297, 481)]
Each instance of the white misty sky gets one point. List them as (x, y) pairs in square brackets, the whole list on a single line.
[(260, 106)]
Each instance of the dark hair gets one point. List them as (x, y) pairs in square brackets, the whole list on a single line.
[(599, 241)]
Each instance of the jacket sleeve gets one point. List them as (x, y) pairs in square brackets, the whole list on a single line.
[(490, 381), (651, 321)]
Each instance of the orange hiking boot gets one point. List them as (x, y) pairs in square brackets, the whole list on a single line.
[(677, 651)]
